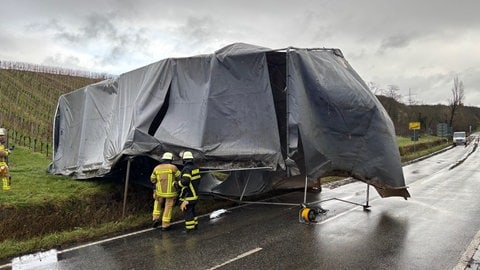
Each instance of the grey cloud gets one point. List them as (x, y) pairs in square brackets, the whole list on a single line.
[(394, 42), (436, 88), (51, 25), (197, 30), (100, 25), (6, 42), (115, 54), (96, 26), (196, 33), (311, 28), (104, 31), (61, 61), (472, 78)]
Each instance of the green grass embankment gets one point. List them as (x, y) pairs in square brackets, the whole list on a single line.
[(44, 211), (410, 150)]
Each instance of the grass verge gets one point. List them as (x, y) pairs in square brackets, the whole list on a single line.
[(410, 150)]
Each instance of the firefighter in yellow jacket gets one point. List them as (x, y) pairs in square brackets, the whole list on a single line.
[(4, 173), (163, 177), (189, 183)]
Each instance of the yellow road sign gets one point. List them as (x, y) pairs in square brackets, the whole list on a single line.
[(414, 125)]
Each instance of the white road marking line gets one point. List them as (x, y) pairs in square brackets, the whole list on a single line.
[(39, 260), (104, 241), (237, 258)]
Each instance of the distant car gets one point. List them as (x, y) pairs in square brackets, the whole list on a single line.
[(460, 138)]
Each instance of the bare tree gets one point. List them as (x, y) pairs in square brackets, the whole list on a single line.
[(456, 101), (374, 88), (391, 102), (393, 92)]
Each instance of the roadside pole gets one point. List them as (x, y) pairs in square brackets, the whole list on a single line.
[(414, 126)]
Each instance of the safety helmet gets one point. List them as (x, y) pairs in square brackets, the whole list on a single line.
[(187, 155), (2, 132), (167, 156)]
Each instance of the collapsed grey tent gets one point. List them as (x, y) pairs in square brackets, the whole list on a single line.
[(289, 110)]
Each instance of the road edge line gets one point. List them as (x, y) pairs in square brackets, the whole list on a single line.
[(469, 253)]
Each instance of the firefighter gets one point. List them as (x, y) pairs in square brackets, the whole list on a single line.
[(163, 177), (189, 183), (4, 173)]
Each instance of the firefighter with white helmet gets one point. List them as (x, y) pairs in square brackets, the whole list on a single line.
[(4, 172), (163, 177), (189, 183)]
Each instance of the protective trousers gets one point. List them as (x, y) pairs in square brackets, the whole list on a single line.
[(5, 176), (167, 211), (191, 220)]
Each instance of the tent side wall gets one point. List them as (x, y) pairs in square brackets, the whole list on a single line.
[(141, 93), (80, 126), (341, 124)]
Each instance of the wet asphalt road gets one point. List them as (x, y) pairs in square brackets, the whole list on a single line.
[(430, 230)]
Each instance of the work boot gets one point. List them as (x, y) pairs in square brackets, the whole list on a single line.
[(165, 228), (155, 223), (187, 231)]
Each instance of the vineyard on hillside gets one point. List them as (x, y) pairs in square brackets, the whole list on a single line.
[(28, 102)]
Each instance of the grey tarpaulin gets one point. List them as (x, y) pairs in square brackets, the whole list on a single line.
[(244, 106)]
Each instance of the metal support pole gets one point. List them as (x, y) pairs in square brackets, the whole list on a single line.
[(368, 197), (127, 177), (305, 191), (245, 187), (236, 170), (287, 109)]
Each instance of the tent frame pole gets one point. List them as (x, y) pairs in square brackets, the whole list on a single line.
[(287, 108), (237, 170), (305, 190), (367, 199), (245, 187), (125, 192), (305, 204)]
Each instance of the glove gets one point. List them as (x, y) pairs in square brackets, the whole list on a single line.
[(176, 186), (183, 206)]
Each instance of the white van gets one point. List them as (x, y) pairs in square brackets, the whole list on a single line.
[(460, 138)]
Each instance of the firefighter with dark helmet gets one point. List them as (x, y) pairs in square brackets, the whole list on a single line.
[(164, 177), (4, 172), (189, 183)]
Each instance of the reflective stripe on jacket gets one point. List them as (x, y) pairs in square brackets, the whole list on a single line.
[(190, 181), (163, 176)]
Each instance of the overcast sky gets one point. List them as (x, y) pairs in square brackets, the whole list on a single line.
[(417, 45)]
